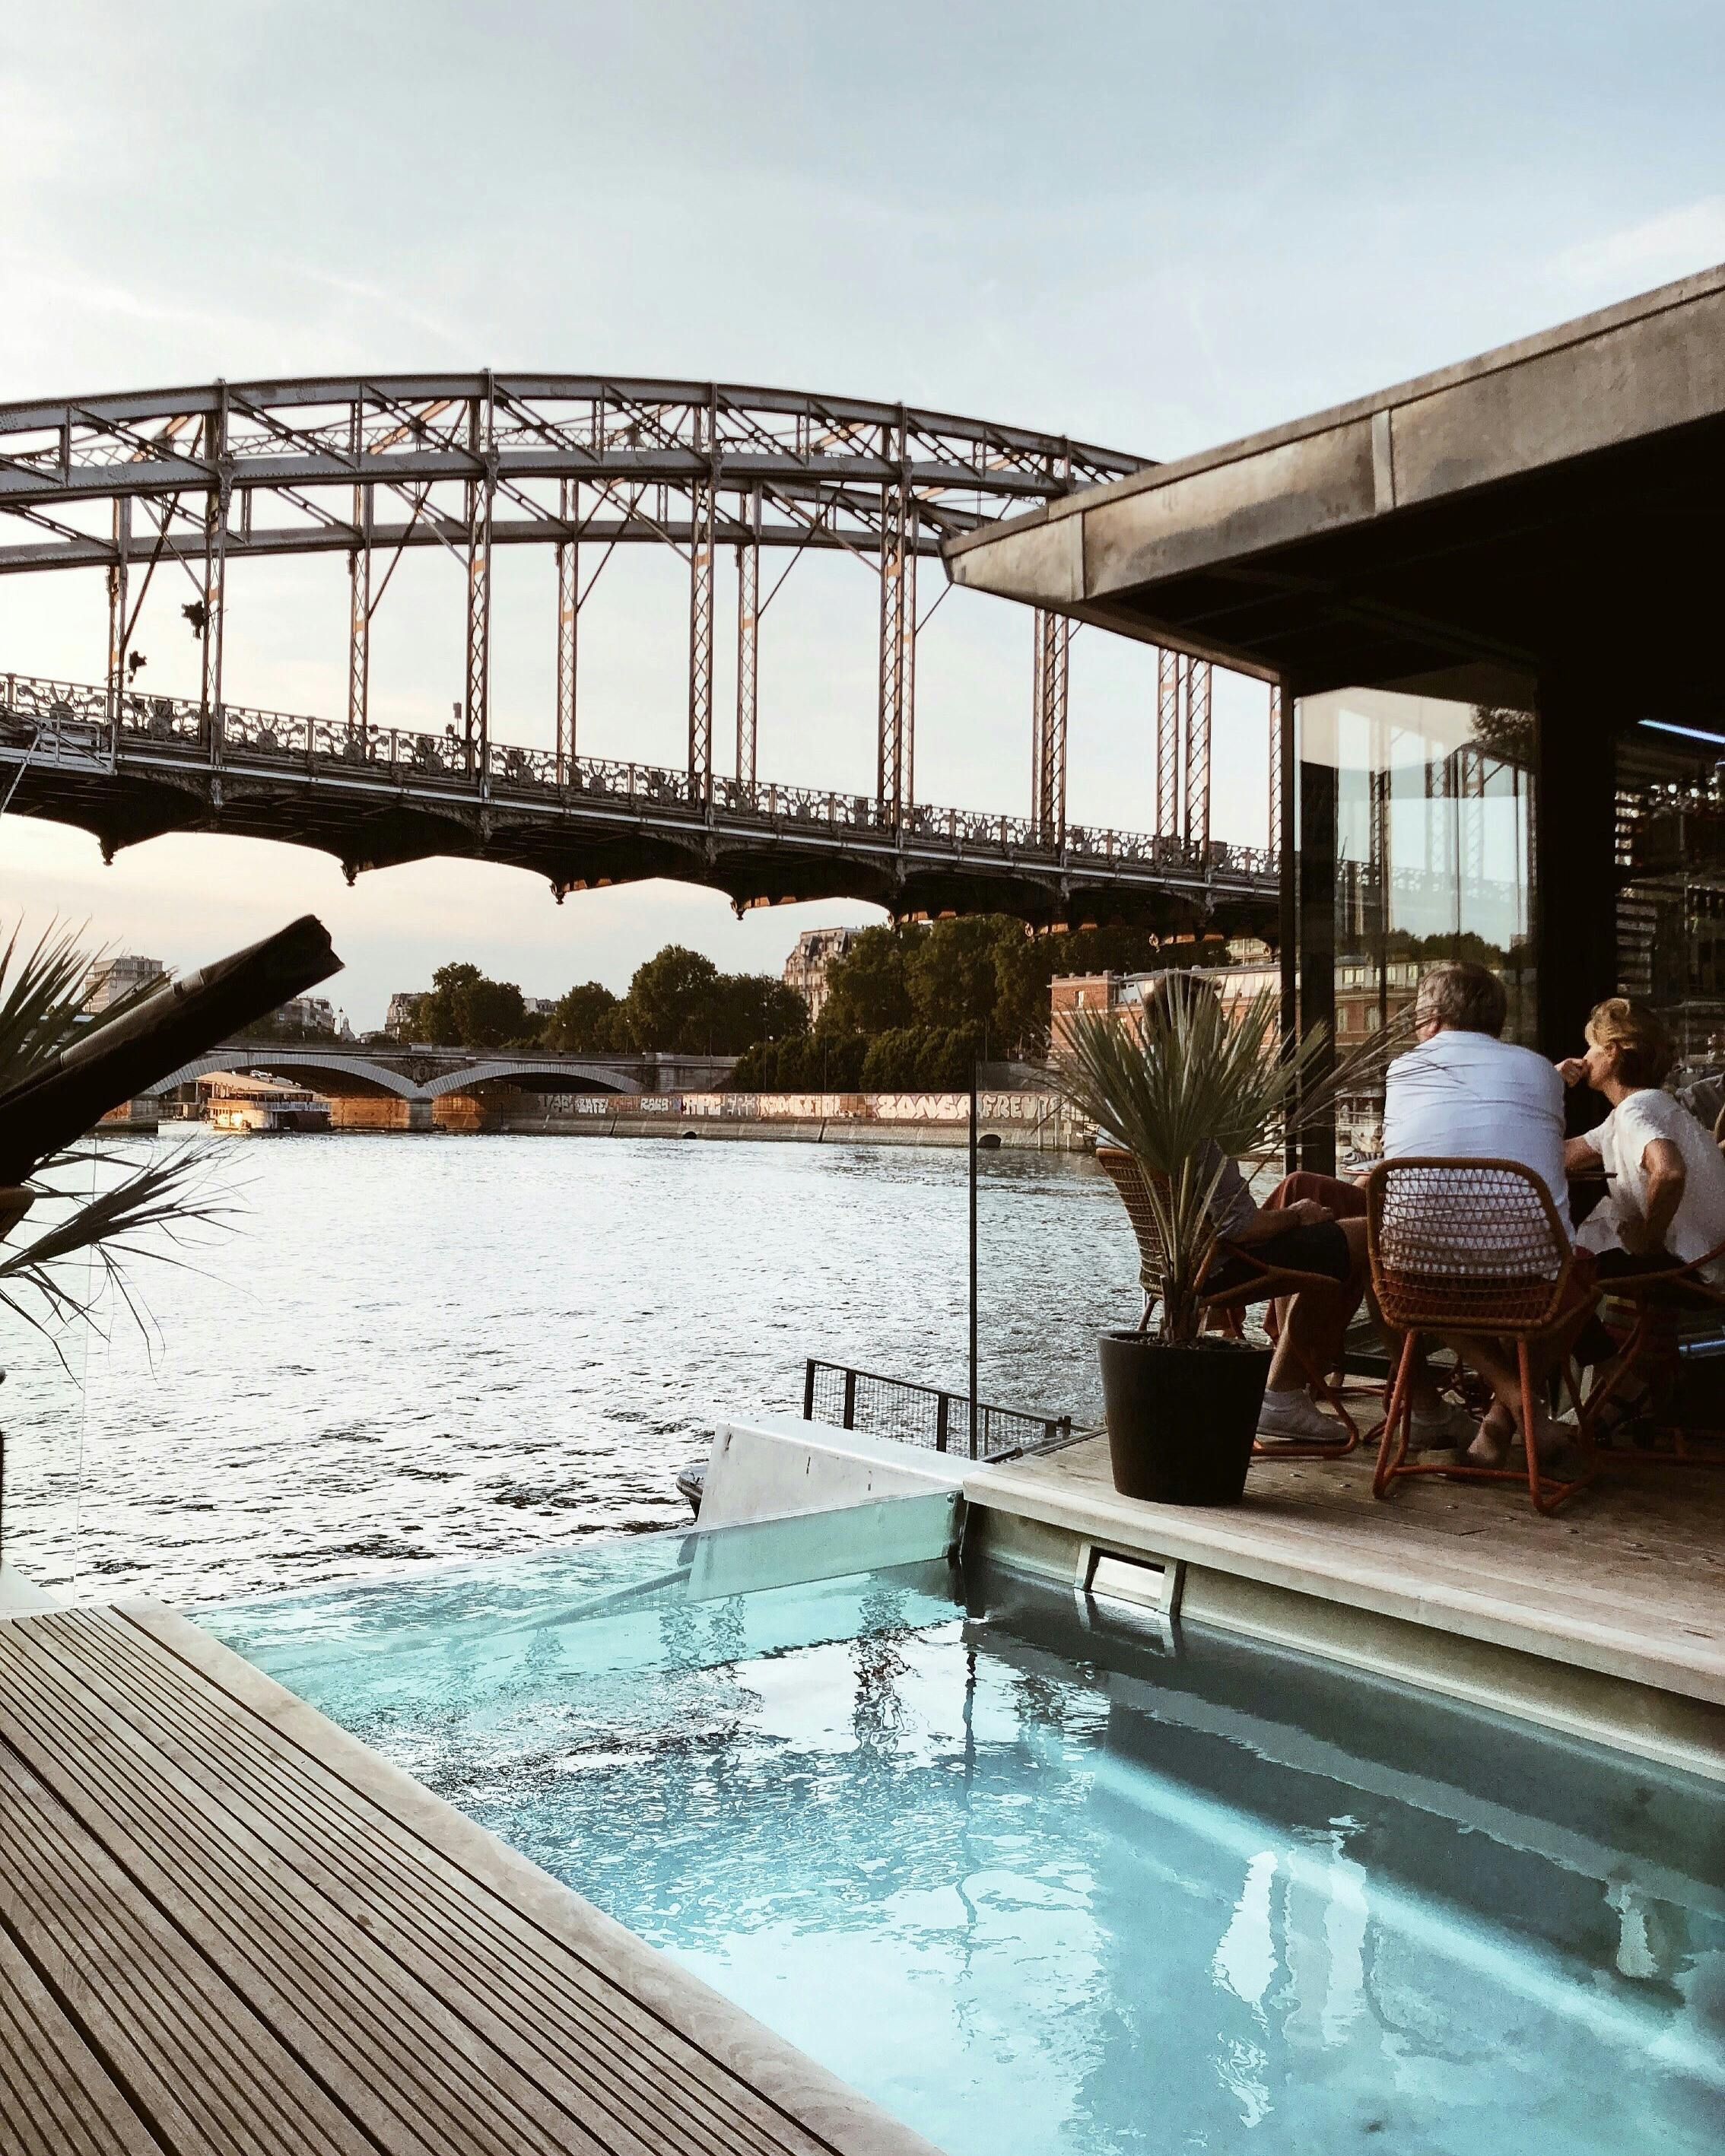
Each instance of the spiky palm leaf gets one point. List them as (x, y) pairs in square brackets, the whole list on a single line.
[(132, 1210), (1195, 1086)]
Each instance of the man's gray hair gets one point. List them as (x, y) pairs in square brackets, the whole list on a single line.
[(1469, 998)]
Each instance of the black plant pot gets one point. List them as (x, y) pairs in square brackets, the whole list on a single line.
[(1181, 1420)]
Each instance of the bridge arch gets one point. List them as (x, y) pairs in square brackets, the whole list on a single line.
[(532, 1077), (360, 1075)]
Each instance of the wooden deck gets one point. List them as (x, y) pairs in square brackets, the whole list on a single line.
[(229, 1929)]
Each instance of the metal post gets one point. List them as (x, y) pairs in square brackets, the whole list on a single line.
[(1272, 827), (1197, 756), (1039, 691), (702, 501), (117, 581), (1169, 666), (974, 1150), (897, 634), (359, 619), (748, 604), (480, 494), (808, 1390), (568, 632), (1053, 645), (215, 565)]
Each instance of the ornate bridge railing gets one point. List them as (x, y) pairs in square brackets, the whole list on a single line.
[(52, 721)]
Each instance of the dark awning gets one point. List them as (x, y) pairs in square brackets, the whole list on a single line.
[(1558, 502)]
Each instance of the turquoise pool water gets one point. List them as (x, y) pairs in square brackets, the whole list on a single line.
[(1039, 1880)]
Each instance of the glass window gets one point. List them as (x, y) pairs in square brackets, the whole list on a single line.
[(1670, 910), (1434, 833)]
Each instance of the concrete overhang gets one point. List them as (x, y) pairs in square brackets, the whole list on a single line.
[(1560, 501)]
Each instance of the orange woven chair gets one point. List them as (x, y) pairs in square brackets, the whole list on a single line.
[(1647, 1314), (1267, 1281), (1471, 1248)]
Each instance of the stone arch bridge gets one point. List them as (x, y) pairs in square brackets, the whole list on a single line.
[(419, 1077)]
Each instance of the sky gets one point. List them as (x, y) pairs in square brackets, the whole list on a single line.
[(1149, 226)]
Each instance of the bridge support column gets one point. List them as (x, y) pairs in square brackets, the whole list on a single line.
[(1170, 672), (359, 620), (118, 628), (898, 653), (703, 501), (568, 628), (215, 579), (477, 717), (1048, 729), (748, 622), (1196, 829)]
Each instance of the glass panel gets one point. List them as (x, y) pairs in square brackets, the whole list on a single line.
[(1671, 914), (1433, 856)]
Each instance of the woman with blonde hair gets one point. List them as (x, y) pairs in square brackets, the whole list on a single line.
[(1664, 1175)]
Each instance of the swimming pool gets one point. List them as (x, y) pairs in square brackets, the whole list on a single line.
[(1039, 1878)]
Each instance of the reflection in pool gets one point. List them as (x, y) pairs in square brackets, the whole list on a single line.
[(1039, 1880)]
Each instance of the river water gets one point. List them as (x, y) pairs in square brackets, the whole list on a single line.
[(410, 1348)]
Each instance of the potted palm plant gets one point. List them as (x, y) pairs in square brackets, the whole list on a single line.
[(1191, 1090)]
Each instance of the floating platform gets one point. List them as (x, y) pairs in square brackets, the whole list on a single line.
[(1606, 1622)]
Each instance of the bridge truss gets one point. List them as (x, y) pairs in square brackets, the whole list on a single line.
[(185, 483)]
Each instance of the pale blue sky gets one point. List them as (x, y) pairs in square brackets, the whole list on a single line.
[(1152, 226)]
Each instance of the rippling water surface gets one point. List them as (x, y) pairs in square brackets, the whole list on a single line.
[(425, 1348)]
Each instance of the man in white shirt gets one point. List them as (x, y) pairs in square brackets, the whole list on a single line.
[(1464, 1093)]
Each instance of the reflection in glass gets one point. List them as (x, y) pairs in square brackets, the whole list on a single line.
[(1433, 855)]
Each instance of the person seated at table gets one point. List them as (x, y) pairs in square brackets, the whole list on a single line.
[(1295, 1231), (1665, 1203), (1464, 1092)]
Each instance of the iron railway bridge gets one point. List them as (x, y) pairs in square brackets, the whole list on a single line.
[(182, 483)]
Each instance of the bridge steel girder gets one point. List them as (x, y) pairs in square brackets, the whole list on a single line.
[(1048, 727), (359, 620), (568, 634), (1196, 828), (1170, 682), (119, 623), (896, 708), (749, 637), (410, 798)]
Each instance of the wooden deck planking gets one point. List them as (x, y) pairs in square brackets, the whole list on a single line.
[(308, 1868), (225, 1926), (56, 2097)]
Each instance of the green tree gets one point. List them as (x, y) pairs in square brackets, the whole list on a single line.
[(954, 974), (467, 1008), (866, 989), (748, 1008), (670, 1005), (584, 1022)]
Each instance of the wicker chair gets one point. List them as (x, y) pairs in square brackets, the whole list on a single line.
[(1649, 1316), (1470, 1249), (1267, 1280)]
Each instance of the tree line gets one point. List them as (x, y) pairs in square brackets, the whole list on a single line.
[(908, 1008), (678, 1002)]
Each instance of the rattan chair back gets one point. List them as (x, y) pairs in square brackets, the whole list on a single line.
[(1122, 1170), (1466, 1246)]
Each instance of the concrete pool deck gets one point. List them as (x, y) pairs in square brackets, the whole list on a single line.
[(1606, 1622), (226, 1926)]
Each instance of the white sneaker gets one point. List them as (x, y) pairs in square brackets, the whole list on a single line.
[(1295, 1418)]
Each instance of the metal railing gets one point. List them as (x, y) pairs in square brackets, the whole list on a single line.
[(925, 1415), (77, 716)]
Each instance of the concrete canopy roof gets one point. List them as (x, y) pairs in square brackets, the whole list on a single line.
[(1559, 502)]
